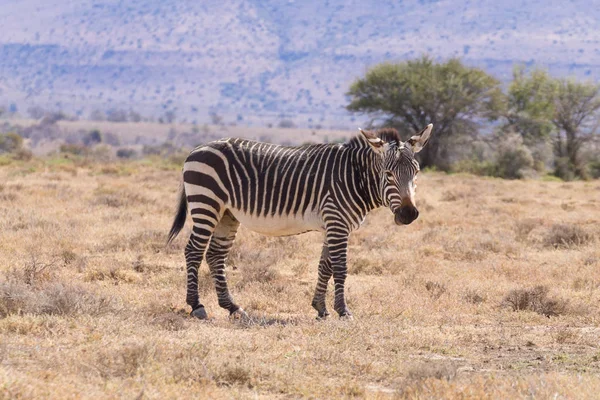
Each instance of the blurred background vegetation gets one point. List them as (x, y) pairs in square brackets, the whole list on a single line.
[(535, 126), (538, 124)]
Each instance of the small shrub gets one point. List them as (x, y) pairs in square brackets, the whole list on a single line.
[(567, 236), (111, 273), (513, 159), (564, 169), (34, 271), (435, 289), (234, 375), (566, 335), (126, 153), (51, 299), (170, 321), (68, 256), (594, 168), (475, 167), (74, 149), (432, 370), (159, 150), (123, 363), (524, 227), (91, 138), (454, 195), (536, 299), (474, 297), (366, 266), (10, 142), (22, 154)]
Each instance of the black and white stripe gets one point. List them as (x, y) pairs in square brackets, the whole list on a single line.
[(279, 190)]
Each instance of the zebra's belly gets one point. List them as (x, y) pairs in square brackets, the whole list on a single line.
[(284, 225)]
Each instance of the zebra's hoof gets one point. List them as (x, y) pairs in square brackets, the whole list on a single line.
[(239, 315), (323, 316), (346, 317), (199, 313)]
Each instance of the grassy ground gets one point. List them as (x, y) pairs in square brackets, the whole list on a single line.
[(494, 292)]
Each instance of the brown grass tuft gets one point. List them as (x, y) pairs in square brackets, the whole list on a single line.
[(33, 272), (474, 296), (567, 236), (52, 299), (524, 227), (234, 375), (113, 273), (567, 336), (125, 362), (170, 321), (366, 265), (432, 370), (260, 273), (454, 195), (536, 299), (435, 289)]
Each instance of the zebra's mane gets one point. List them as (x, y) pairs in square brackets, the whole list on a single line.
[(388, 135)]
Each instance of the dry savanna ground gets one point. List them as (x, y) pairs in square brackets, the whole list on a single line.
[(494, 292)]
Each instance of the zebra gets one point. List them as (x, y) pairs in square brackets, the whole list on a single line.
[(280, 190)]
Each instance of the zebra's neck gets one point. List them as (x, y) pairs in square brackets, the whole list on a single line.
[(367, 166)]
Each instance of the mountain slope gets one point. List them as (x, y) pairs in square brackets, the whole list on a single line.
[(265, 58)]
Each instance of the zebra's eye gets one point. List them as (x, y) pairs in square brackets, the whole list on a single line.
[(390, 176)]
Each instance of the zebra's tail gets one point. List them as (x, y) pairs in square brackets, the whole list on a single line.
[(180, 217)]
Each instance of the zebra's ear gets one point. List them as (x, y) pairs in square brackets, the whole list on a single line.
[(418, 141), (375, 142)]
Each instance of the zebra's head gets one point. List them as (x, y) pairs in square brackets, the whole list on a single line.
[(399, 170)]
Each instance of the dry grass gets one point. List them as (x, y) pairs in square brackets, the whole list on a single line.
[(492, 293), (536, 299)]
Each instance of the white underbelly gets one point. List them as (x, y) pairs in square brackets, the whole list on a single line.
[(279, 225)]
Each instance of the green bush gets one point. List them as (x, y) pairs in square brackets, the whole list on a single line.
[(564, 169), (75, 149), (126, 153), (594, 168), (10, 142), (475, 167), (92, 137), (513, 159)]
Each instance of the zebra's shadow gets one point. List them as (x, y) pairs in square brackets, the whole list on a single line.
[(262, 320)]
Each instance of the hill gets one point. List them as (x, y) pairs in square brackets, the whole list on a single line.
[(258, 61)]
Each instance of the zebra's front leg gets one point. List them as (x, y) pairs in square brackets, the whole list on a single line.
[(216, 256), (325, 273), (337, 241)]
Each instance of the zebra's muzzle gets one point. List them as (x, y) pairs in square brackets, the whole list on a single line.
[(406, 215)]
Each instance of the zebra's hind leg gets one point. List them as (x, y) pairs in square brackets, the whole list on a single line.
[(194, 251), (219, 248), (325, 272), (205, 215)]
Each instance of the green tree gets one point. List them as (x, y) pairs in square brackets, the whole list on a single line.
[(541, 107), (576, 117), (412, 94), (530, 104)]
